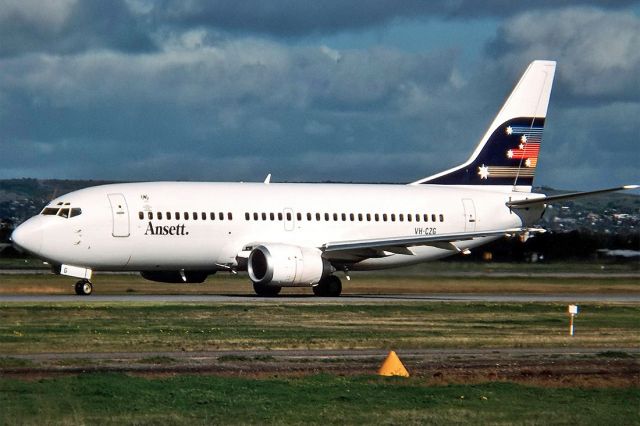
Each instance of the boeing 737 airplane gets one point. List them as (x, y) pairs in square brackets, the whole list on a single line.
[(287, 235)]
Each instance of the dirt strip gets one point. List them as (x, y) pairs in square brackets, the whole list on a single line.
[(558, 367)]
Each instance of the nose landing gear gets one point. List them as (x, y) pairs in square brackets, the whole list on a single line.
[(84, 287)]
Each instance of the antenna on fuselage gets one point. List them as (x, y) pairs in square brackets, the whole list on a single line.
[(267, 180)]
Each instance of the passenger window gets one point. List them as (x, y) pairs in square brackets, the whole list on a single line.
[(221, 216), (433, 217), (368, 217), (230, 216), (344, 217), (169, 215), (247, 216), (204, 216), (425, 217), (288, 216), (417, 217), (384, 217), (76, 211), (393, 217), (309, 217), (212, 216), (335, 217), (177, 215), (186, 215), (318, 217), (272, 216), (140, 215), (401, 217), (359, 217), (195, 216), (255, 216), (441, 218), (326, 217), (279, 216), (150, 215), (159, 215), (409, 218), (352, 217), (376, 217), (264, 216), (299, 216)]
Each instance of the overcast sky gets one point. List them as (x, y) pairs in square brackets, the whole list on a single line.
[(341, 90)]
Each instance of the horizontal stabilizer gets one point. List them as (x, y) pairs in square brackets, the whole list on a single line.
[(548, 199)]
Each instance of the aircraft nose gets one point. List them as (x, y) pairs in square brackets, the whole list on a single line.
[(28, 236)]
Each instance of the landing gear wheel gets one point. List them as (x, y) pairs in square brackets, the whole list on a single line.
[(330, 286), (263, 290), (84, 288)]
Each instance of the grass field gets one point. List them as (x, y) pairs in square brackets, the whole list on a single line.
[(117, 326), (363, 283), (150, 329), (120, 399)]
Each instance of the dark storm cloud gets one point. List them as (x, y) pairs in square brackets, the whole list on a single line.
[(70, 27), (141, 92), (596, 96), (294, 18), (115, 115), (597, 50)]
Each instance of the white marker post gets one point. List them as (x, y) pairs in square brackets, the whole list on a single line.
[(573, 311)]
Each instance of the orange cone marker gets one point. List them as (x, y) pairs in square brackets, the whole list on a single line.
[(392, 366)]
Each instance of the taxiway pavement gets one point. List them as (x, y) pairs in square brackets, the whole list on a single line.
[(629, 298)]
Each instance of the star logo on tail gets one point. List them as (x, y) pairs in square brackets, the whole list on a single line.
[(483, 172)]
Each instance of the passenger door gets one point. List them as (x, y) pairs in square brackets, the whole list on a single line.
[(120, 215)]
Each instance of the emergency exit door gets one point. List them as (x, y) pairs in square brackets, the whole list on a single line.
[(469, 215)]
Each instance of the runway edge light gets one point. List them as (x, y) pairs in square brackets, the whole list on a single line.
[(392, 366)]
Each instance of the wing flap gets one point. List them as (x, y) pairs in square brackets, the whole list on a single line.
[(401, 245)]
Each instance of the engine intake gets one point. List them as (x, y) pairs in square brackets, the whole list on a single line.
[(286, 265)]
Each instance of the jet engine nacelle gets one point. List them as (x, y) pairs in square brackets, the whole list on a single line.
[(286, 265), (176, 276)]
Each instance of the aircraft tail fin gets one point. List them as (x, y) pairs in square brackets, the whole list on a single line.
[(507, 155)]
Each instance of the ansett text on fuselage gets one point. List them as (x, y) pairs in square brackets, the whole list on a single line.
[(165, 230)]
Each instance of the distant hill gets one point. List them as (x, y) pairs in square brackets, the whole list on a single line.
[(22, 198)]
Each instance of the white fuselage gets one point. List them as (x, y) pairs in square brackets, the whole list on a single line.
[(206, 226)]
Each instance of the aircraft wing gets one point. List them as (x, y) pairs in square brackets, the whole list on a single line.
[(550, 198), (382, 247)]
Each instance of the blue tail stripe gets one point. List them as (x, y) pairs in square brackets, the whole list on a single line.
[(495, 165)]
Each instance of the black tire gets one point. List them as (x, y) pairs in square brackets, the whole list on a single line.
[(84, 288), (263, 290), (330, 286)]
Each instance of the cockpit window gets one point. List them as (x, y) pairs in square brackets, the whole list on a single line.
[(65, 212)]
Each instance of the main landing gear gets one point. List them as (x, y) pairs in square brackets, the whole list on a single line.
[(84, 288), (330, 286), (263, 290)]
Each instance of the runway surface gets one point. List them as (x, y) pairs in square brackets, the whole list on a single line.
[(347, 299), (444, 274)]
